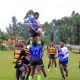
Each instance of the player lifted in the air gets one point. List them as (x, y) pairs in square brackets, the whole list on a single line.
[(35, 26)]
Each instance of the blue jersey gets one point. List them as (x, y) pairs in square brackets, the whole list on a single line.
[(63, 54), (35, 51), (33, 22)]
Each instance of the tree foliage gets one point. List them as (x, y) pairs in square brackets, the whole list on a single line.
[(3, 36), (19, 29), (67, 28)]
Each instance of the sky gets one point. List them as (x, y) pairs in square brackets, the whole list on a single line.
[(48, 9)]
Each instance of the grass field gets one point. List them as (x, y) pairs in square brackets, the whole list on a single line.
[(7, 71)]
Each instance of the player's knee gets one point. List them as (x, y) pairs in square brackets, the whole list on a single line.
[(39, 31)]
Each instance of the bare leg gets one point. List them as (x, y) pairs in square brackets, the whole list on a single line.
[(38, 38), (29, 71), (62, 70), (39, 31), (23, 70), (17, 74), (65, 69), (43, 70), (33, 71), (39, 72), (49, 63), (54, 60)]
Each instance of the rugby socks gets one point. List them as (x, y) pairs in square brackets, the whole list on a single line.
[(23, 77), (30, 77), (39, 77)]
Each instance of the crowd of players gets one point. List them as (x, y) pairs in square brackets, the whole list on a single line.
[(28, 58)]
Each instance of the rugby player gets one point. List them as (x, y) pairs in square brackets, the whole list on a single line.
[(63, 54), (51, 54)]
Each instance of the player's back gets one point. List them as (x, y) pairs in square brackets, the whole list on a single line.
[(35, 51), (16, 54)]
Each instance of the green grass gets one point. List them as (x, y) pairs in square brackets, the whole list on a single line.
[(7, 71)]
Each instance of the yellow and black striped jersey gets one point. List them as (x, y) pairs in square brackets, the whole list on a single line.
[(16, 55), (52, 50)]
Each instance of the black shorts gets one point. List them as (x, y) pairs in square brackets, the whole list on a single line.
[(33, 33), (21, 67), (36, 61), (63, 63), (25, 61), (52, 56)]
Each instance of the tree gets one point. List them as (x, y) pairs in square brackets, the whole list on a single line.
[(46, 39), (29, 14), (73, 13), (19, 29), (67, 28), (3, 36), (13, 29)]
